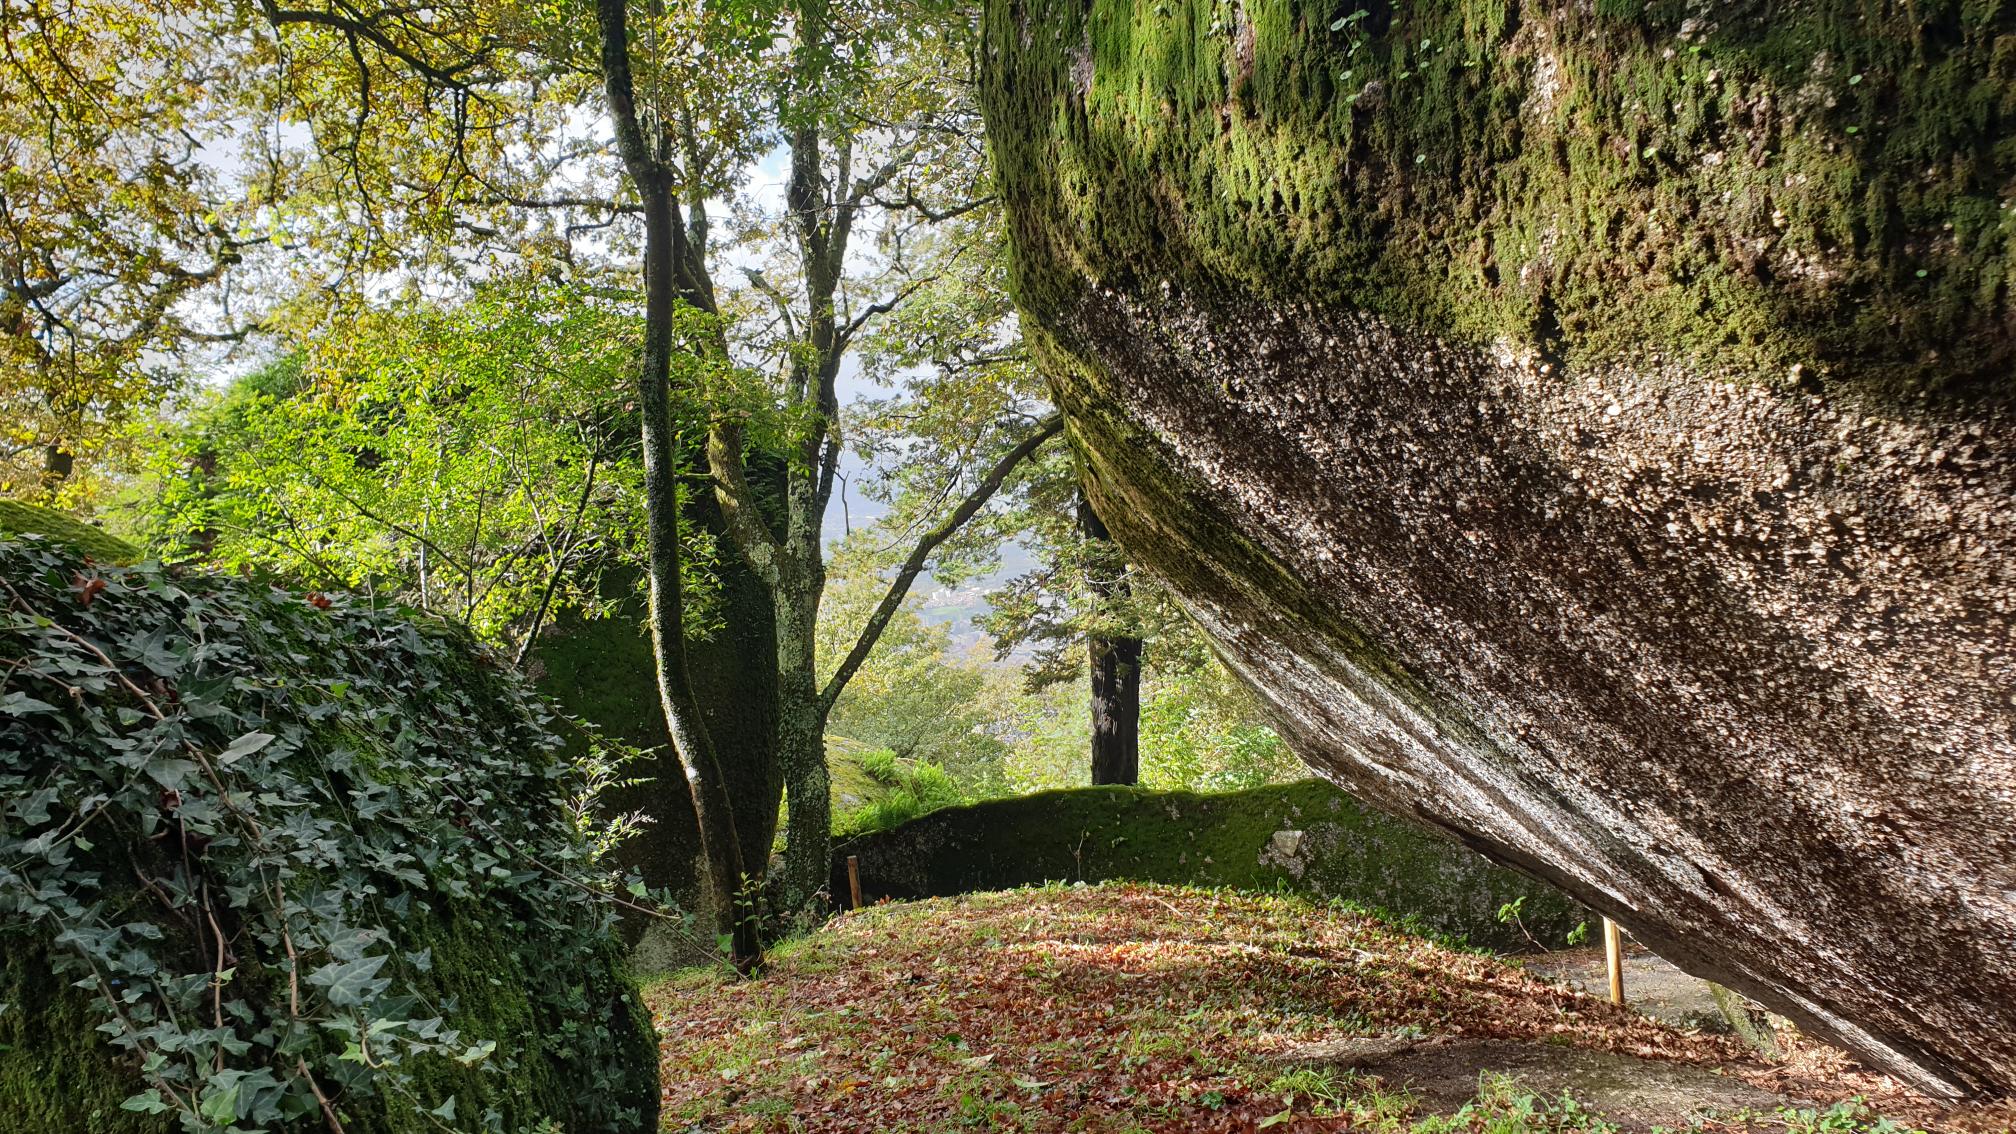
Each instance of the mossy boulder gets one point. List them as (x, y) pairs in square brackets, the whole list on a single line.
[(1307, 837), (21, 518), (600, 669), (280, 860), (1588, 428)]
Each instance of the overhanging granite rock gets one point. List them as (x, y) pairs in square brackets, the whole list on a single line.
[(1583, 440)]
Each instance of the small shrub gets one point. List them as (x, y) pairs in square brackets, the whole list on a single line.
[(880, 765), (916, 790)]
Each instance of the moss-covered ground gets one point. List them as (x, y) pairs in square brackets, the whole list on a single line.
[(1149, 1008), (102, 546)]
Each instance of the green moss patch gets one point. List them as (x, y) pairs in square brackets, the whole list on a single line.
[(19, 518), (1308, 838)]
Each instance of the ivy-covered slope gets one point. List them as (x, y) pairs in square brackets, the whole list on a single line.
[(275, 861), (1588, 426), (1308, 838)]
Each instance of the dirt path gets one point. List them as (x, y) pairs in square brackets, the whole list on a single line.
[(1653, 986)]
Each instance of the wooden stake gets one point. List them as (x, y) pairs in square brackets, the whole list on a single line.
[(854, 880), (1613, 953)]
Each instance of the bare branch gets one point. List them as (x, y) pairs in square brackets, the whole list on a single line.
[(920, 554)]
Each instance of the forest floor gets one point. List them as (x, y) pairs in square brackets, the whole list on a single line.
[(1123, 1008)]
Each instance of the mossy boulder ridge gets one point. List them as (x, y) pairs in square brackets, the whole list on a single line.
[(1587, 428), (1305, 838), (281, 860)]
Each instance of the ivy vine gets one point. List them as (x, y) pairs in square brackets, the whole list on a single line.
[(317, 865)]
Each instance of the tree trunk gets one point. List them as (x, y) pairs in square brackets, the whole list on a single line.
[(801, 750), (1116, 674), (58, 464), (712, 810), (663, 238)]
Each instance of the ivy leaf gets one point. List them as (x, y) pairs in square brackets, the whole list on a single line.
[(146, 1102), (446, 1111), (21, 704), (172, 773), (244, 746), (350, 983), (477, 1053), (220, 1102)]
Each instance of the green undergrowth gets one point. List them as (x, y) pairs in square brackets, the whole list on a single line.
[(1307, 837), (283, 861), (882, 792), (1763, 187)]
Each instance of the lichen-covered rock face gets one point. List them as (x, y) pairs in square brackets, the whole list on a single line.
[(1584, 440)]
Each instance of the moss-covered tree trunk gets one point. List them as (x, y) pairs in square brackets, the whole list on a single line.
[(667, 282), (801, 752)]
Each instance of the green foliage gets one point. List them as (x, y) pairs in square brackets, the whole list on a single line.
[(1503, 1107), (108, 221), (475, 461), (1201, 729), (880, 766), (283, 849), (1850, 1116), (909, 697), (1048, 732), (1318, 1083), (914, 789)]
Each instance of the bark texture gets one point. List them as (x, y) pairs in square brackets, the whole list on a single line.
[(1583, 440), (1115, 662), (665, 280)]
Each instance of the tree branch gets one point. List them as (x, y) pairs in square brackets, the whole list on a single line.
[(914, 565), (855, 324), (910, 203)]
